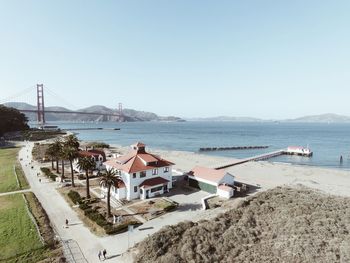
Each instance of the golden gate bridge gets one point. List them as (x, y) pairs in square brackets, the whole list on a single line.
[(41, 111)]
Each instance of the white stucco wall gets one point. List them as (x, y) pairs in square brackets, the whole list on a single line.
[(130, 182), (225, 194)]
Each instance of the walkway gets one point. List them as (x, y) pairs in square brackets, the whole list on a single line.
[(79, 235), (16, 192)]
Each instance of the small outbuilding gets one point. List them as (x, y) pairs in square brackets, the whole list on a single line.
[(212, 181)]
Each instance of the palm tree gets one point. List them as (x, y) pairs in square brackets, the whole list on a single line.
[(57, 146), (71, 141), (51, 153), (86, 164), (62, 156), (71, 151), (70, 154), (107, 180)]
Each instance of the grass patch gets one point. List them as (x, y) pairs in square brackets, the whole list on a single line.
[(39, 135), (19, 240), (8, 158), (18, 235), (23, 183)]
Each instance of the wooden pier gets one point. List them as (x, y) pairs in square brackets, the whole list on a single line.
[(260, 157), (209, 149)]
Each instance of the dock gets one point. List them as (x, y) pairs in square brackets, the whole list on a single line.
[(260, 157), (89, 129), (208, 149)]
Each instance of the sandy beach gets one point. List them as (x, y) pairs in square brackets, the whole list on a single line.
[(264, 174)]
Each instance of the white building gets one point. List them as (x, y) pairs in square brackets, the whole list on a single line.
[(298, 150), (212, 181), (143, 174), (98, 156)]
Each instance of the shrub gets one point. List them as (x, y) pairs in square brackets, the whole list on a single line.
[(48, 173), (75, 197), (110, 229), (170, 207), (84, 206)]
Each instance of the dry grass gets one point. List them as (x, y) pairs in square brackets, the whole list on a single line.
[(279, 225)]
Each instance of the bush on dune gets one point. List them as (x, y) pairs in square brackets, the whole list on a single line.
[(288, 224)]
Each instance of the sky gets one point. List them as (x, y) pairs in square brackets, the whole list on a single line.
[(188, 58)]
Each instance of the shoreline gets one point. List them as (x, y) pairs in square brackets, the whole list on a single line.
[(263, 174)]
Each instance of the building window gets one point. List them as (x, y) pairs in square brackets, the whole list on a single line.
[(134, 175), (156, 189), (142, 174), (155, 171), (166, 169), (135, 189)]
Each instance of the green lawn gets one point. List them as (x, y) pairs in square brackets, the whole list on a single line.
[(19, 241), (8, 182)]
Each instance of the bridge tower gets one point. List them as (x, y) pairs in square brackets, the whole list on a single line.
[(40, 104), (120, 112)]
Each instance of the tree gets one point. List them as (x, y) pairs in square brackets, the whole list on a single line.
[(86, 164), (12, 120), (107, 180), (62, 156), (57, 149), (50, 151), (71, 141), (70, 154)]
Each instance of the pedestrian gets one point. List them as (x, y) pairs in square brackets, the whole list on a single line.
[(66, 222), (39, 180), (104, 253), (99, 255)]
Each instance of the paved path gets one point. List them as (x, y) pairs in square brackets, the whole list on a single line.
[(58, 210), (16, 192)]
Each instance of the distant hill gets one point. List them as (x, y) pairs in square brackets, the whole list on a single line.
[(323, 118), (130, 115), (228, 119)]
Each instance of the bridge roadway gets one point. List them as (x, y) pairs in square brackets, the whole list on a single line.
[(74, 112), (254, 158)]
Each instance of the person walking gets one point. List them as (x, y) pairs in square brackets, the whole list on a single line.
[(104, 253), (66, 223), (99, 255)]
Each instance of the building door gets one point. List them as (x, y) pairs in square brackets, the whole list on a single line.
[(165, 188), (147, 194)]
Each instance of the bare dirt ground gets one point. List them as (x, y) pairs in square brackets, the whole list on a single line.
[(284, 224)]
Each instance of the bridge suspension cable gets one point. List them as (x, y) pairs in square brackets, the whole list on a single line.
[(56, 96), (17, 95)]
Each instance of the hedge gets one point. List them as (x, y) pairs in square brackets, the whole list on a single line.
[(95, 216), (170, 207), (75, 197), (48, 173)]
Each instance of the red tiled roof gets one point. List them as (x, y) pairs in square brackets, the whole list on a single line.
[(94, 153), (209, 174), (132, 162), (153, 182), (148, 158)]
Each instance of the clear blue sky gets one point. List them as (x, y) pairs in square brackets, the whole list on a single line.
[(268, 59)]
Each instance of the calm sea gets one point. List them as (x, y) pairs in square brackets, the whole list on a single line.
[(327, 141)]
